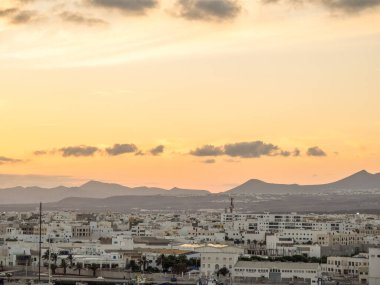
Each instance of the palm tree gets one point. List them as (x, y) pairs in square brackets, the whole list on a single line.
[(64, 266), (94, 267), (54, 257), (79, 267), (46, 254), (53, 267), (70, 257), (160, 260)]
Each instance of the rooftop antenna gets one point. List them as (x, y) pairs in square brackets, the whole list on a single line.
[(39, 248)]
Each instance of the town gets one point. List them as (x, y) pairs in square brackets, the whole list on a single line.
[(204, 246)]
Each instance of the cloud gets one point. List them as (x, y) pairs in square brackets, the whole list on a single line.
[(351, 5), (6, 160), (296, 152), (77, 151), (118, 149), (8, 12), (209, 10), (24, 17), (209, 161), (231, 160), (250, 149), (40, 152), (80, 19), (157, 150), (207, 150), (315, 151), (126, 6), (347, 6), (140, 153)]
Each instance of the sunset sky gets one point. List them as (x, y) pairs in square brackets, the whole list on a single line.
[(202, 94)]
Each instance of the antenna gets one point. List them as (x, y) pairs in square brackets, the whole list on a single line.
[(232, 205), (39, 248)]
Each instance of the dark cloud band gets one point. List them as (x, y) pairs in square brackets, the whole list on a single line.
[(214, 10), (127, 6), (349, 6), (78, 151), (118, 149)]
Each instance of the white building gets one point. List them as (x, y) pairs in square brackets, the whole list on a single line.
[(251, 271), (215, 257), (374, 266), (345, 266)]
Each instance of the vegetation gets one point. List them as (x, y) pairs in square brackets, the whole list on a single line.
[(177, 264), (53, 268), (79, 267), (132, 266), (70, 257), (294, 258), (64, 265), (94, 267), (223, 271)]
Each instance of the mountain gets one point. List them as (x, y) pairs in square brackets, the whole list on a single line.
[(360, 181), (91, 189)]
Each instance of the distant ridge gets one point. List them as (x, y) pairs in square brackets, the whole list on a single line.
[(90, 189), (355, 183), (361, 180)]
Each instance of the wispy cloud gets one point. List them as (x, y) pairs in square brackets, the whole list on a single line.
[(78, 18), (209, 161), (7, 160), (40, 152)]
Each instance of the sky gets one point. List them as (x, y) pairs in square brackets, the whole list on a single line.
[(201, 94)]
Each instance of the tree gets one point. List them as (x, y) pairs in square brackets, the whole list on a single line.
[(54, 257), (223, 271), (53, 267), (94, 267), (133, 266), (79, 267), (64, 266), (46, 254), (160, 260), (143, 263), (179, 268), (70, 257)]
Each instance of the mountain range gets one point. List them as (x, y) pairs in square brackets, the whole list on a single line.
[(360, 182)]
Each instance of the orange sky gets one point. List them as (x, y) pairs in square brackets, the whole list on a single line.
[(251, 81)]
